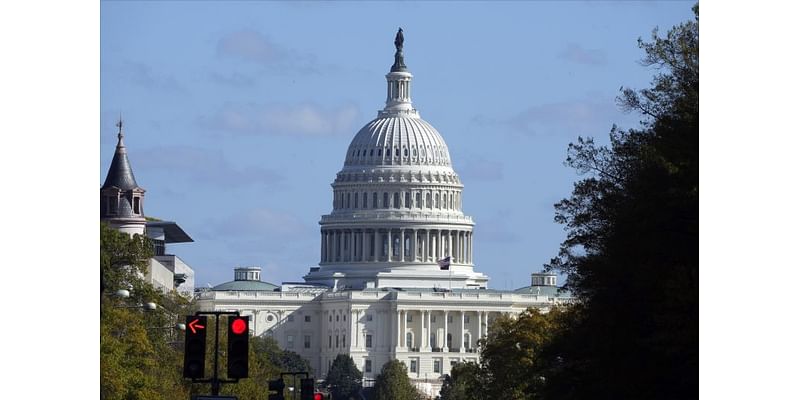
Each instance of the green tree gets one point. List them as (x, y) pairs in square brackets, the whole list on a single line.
[(393, 383), (344, 378), (463, 383), (631, 252)]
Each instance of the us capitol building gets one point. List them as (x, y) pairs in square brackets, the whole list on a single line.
[(396, 278)]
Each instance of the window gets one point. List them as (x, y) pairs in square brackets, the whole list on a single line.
[(418, 196), (385, 200), (374, 200), (364, 199), (111, 205), (337, 318), (337, 341), (136, 204), (414, 366), (432, 340), (368, 341), (409, 339), (344, 317), (369, 317), (449, 319), (437, 366), (449, 340), (428, 199), (396, 200), (466, 340), (307, 341), (409, 318), (433, 319), (466, 319), (289, 341), (290, 318), (308, 318), (348, 201), (330, 318), (330, 341), (344, 341), (269, 318), (408, 200), (355, 200), (367, 365)]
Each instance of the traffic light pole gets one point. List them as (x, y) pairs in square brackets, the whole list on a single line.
[(215, 381)]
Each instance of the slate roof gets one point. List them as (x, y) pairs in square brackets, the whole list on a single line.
[(120, 173)]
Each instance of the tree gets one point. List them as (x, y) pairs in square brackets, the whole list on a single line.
[(343, 379), (463, 383), (393, 383), (631, 252)]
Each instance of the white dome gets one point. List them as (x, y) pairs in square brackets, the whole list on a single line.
[(397, 140)]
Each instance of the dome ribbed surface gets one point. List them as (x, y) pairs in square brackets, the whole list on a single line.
[(407, 140)]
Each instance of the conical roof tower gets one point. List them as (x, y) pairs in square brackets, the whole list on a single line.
[(121, 198)]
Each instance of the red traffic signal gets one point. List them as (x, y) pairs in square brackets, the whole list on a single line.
[(238, 346), (318, 396)]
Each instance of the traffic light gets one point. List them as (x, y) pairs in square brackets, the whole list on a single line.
[(194, 353), (307, 389), (276, 385), (238, 346), (319, 396)]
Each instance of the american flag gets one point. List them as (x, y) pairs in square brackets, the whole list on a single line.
[(444, 264)]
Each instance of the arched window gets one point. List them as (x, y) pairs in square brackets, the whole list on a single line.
[(385, 200), (396, 245), (385, 241), (409, 339), (405, 152), (428, 199), (396, 200), (355, 200), (397, 152), (374, 199), (407, 246), (379, 152), (436, 200), (408, 200), (371, 152), (348, 200), (418, 197)]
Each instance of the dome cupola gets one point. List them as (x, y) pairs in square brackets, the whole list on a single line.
[(396, 204)]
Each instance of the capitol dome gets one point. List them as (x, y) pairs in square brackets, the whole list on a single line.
[(397, 219)]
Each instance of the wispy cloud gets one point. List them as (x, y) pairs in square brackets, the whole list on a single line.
[(570, 118), (305, 119), (577, 54), (260, 231), (478, 168), (144, 76), (205, 166), (234, 79), (252, 46)]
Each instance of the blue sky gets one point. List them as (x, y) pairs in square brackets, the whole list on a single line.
[(238, 114)]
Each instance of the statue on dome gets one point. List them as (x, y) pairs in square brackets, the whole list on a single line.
[(398, 40)]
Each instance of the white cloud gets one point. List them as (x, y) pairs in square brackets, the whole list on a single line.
[(255, 47), (577, 54), (305, 119)]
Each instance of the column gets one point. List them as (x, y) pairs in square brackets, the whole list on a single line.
[(402, 244), (444, 346), (339, 238), (480, 325), (414, 245), (427, 249), (450, 243), (461, 348), (376, 244), (322, 247), (389, 252), (399, 331), (364, 245), (427, 339), (405, 328)]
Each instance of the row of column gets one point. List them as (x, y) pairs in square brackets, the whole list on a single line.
[(425, 326), (375, 245)]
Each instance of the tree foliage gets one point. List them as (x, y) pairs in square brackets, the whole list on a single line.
[(631, 252), (463, 383), (393, 383), (344, 378)]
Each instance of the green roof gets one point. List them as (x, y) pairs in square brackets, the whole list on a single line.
[(245, 285)]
